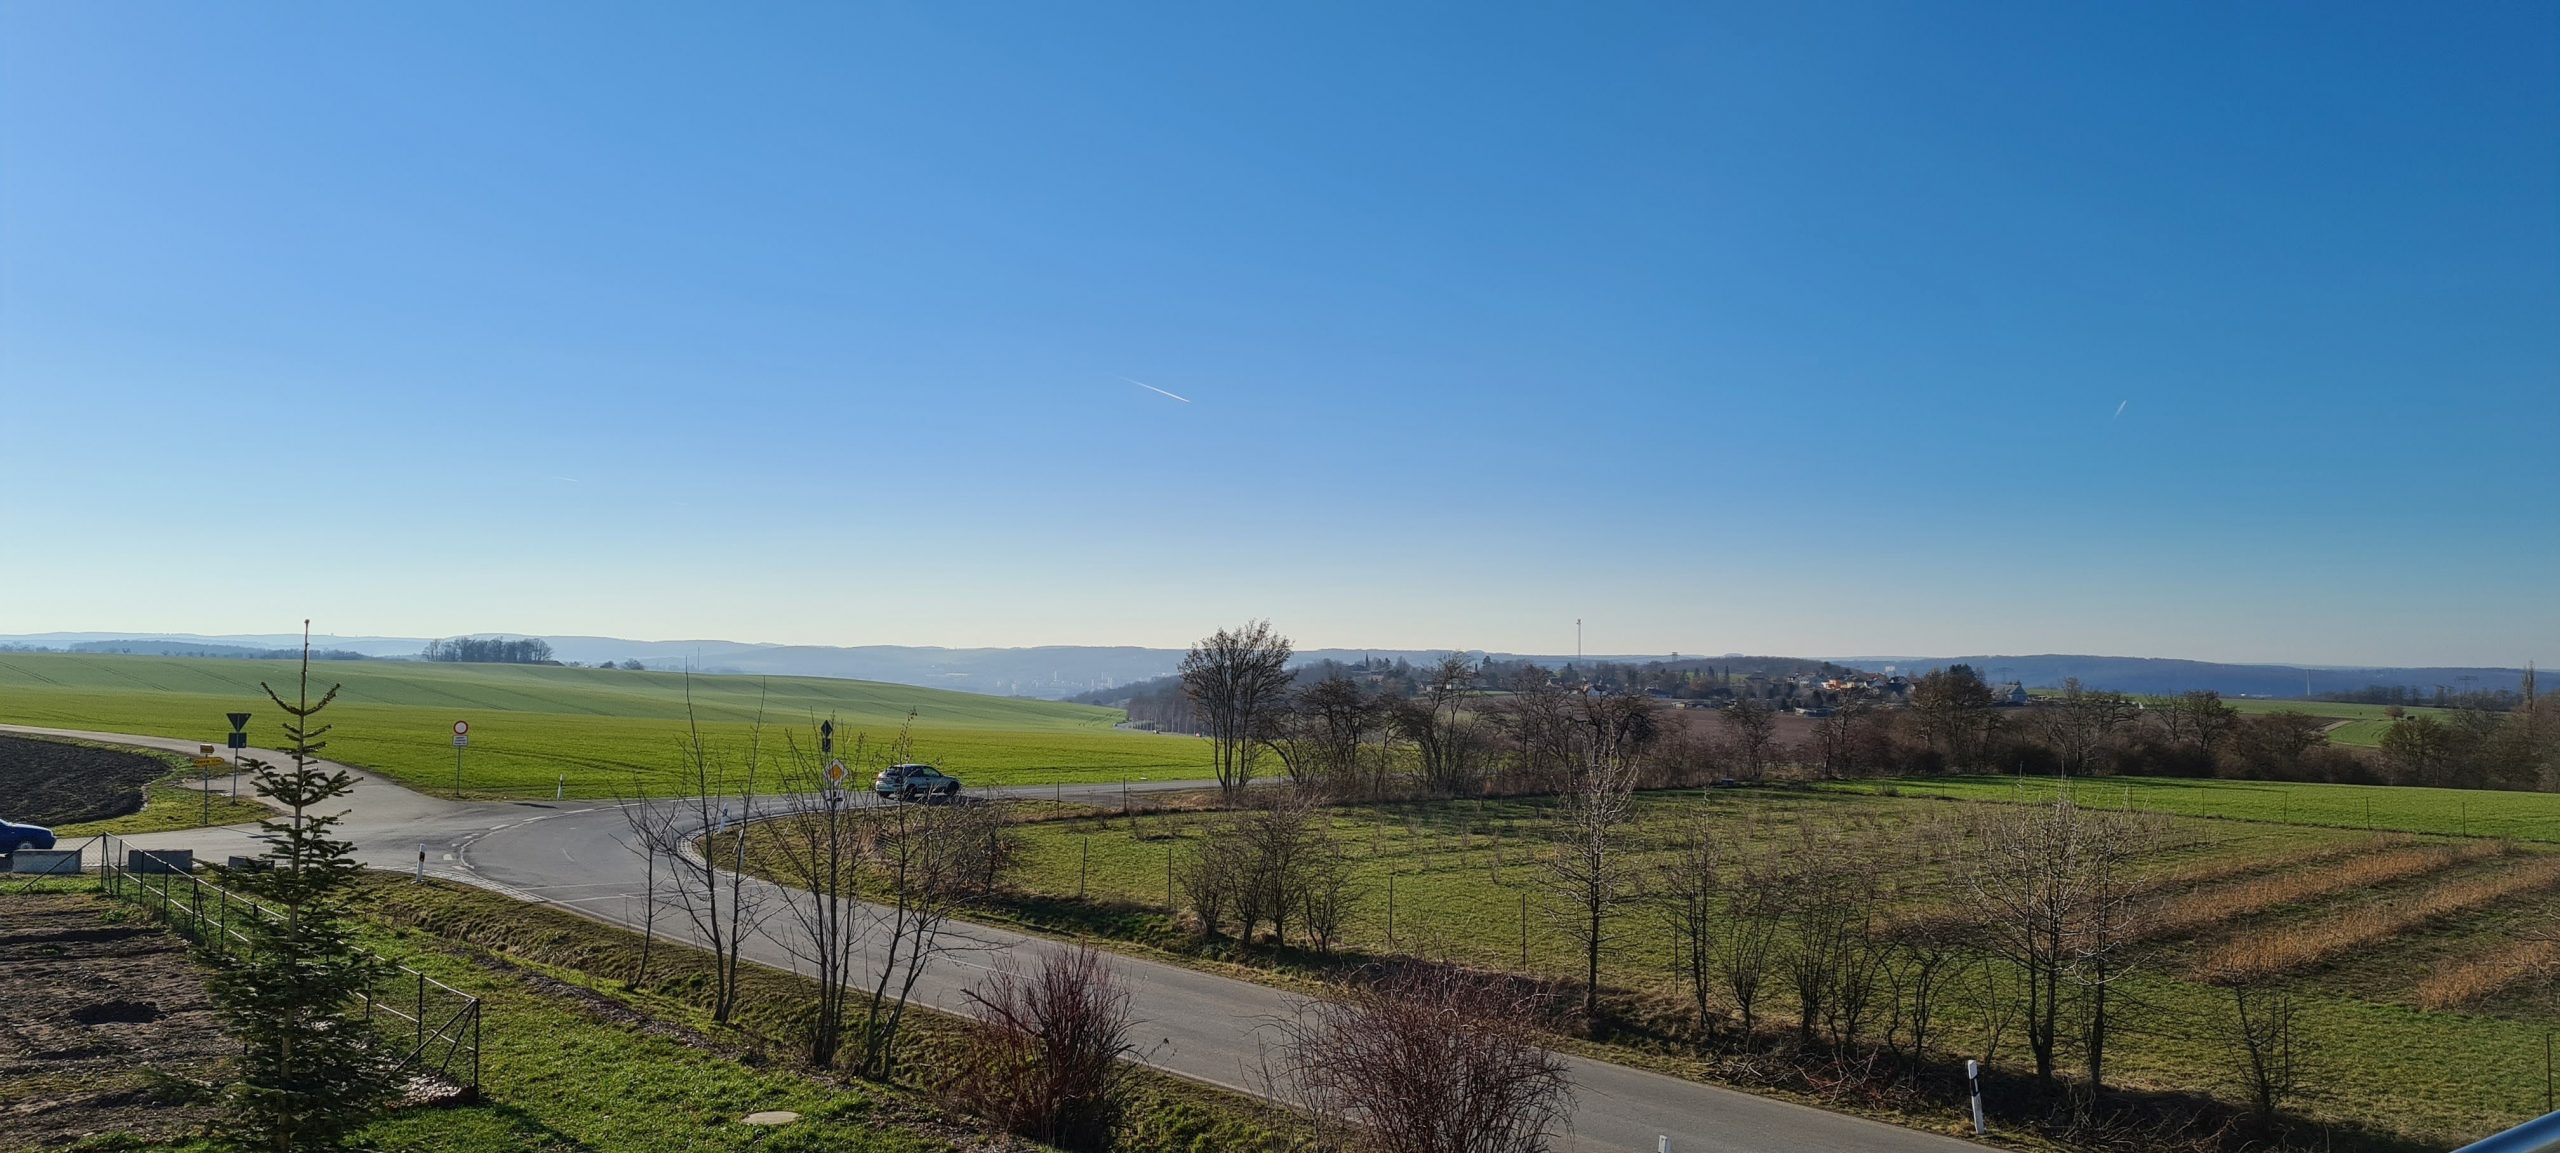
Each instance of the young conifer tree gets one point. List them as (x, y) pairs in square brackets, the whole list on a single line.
[(311, 1072)]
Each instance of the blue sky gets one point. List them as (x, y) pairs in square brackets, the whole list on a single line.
[(1781, 328)]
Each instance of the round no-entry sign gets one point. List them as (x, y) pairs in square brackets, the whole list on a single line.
[(461, 727)]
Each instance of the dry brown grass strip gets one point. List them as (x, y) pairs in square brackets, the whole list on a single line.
[(2475, 981), (2287, 948), (2224, 904), (2212, 869)]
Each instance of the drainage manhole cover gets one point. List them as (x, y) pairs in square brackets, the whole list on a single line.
[(772, 1117)]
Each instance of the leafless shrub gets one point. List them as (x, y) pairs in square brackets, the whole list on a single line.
[(1920, 962), (1275, 861), (1684, 894), (1327, 893), (1431, 1060), (923, 865), (1743, 954), (2267, 1050), (1209, 876), (1045, 1062)]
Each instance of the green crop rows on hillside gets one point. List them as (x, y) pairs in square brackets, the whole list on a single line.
[(594, 732)]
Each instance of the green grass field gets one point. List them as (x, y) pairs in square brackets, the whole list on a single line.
[(2395, 808), (2363, 727), (533, 726), (561, 1075), (1468, 880)]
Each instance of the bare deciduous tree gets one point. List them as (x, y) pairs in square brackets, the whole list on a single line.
[(1750, 731), (1591, 871), (2079, 723), (1955, 711), (820, 852), (1238, 682), (2199, 719), (1321, 735), (1685, 892), (2055, 886), (646, 822), (1433, 1060), (925, 863), (718, 789), (1448, 736)]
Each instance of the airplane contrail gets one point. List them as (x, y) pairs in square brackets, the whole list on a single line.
[(1155, 390), (2120, 408)]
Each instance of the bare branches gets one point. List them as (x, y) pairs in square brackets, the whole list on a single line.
[(2056, 888), (1433, 1060), (1238, 681), (1046, 1061), (717, 787), (1591, 873)]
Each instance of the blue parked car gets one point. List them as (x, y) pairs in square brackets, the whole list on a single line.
[(14, 836)]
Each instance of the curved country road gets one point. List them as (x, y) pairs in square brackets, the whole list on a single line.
[(1192, 1023)]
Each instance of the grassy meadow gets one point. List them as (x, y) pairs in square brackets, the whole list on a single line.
[(2427, 1017), (532, 727), (2359, 725)]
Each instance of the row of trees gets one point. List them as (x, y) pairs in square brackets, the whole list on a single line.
[(1342, 737), (489, 650), (2046, 918)]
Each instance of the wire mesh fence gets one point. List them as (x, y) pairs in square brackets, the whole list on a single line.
[(433, 1028)]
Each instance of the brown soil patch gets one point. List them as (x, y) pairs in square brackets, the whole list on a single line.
[(107, 1024), (63, 783)]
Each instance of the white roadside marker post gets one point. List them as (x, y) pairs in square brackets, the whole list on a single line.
[(422, 862), (1973, 1084)]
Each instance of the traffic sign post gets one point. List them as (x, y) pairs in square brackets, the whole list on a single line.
[(461, 740), (239, 740)]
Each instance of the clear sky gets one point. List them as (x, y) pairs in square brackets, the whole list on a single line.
[(2228, 331)]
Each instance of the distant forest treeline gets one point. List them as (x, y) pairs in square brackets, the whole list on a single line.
[(188, 649)]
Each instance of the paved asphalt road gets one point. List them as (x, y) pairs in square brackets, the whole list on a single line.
[(1196, 1024)]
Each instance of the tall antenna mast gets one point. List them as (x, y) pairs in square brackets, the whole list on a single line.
[(1577, 640)]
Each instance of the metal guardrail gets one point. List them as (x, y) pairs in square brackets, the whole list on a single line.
[(2540, 1135), (434, 1026)]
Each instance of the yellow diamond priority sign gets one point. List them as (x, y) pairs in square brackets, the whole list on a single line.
[(835, 772)]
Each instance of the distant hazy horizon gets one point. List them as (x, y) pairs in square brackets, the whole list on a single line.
[(360, 641), (2218, 332)]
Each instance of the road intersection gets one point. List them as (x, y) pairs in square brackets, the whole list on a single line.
[(575, 854)]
